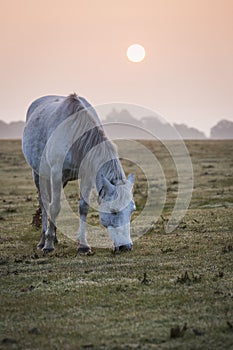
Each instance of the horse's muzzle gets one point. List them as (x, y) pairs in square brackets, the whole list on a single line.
[(123, 248)]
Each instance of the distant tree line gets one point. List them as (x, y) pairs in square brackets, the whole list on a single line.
[(147, 127)]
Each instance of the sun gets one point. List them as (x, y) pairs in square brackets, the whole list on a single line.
[(136, 53)]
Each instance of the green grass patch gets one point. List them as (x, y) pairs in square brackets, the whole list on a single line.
[(173, 291)]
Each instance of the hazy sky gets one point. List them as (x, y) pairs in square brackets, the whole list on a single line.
[(62, 46)]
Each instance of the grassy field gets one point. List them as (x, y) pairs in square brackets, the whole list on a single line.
[(173, 291)]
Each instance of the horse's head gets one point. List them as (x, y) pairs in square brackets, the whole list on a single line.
[(116, 205)]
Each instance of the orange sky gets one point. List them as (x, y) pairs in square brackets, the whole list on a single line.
[(58, 46)]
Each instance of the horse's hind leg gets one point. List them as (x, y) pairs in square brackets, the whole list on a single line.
[(54, 209), (44, 200), (43, 210)]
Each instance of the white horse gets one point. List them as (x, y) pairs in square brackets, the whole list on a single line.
[(64, 140)]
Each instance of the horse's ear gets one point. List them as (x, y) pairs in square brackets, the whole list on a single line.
[(108, 187), (131, 180)]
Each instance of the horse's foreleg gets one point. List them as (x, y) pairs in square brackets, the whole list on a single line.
[(83, 211)]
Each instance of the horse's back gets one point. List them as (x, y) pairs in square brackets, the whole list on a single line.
[(42, 101), (43, 117)]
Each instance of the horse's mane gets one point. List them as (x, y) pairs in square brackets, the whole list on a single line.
[(85, 147), (74, 103), (73, 97)]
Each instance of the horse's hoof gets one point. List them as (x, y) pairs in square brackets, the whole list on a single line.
[(123, 248), (40, 246), (84, 249), (47, 250)]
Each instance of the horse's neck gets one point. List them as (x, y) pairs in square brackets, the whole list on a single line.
[(99, 158)]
